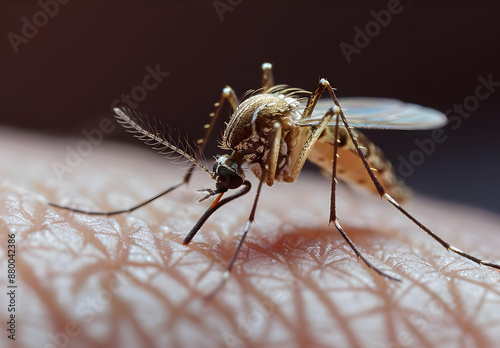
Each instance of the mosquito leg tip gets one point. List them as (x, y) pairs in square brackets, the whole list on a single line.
[(396, 279), (225, 275)]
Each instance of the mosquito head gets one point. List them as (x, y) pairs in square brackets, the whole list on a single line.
[(228, 172)]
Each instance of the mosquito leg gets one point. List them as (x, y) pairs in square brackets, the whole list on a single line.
[(265, 169), (307, 147), (318, 129), (267, 77), (447, 245), (313, 99), (227, 94), (170, 189), (333, 213), (333, 198), (391, 200), (358, 253)]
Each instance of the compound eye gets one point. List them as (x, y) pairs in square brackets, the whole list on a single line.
[(227, 179)]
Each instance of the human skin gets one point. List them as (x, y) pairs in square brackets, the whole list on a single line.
[(127, 280)]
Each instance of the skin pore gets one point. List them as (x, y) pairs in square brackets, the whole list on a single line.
[(127, 280)]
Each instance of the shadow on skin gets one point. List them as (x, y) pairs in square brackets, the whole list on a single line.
[(127, 280)]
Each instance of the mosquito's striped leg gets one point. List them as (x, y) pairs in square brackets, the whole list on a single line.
[(313, 99), (358, 253), (227, 94), (447, 245), (309, 144), (391, 200), (333, 205), (267, 77), (333, 213)]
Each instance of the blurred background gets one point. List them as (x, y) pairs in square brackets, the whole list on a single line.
[(64, 64)]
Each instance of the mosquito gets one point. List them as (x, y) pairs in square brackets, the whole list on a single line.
[(274, 131)]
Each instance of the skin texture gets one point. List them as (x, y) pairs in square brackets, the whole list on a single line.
[(128, 281)]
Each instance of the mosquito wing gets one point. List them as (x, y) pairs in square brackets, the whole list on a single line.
[(381, 113)]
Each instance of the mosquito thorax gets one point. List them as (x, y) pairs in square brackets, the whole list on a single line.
[(228, 172), (254, 119)]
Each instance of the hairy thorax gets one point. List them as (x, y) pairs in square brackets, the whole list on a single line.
[(250, 128)]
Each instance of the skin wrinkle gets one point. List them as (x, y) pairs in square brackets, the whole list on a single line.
[(290, 250)]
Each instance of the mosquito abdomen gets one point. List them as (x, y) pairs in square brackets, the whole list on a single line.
[(350, 168)]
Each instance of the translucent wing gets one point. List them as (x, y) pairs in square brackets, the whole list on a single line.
[(381, 113)]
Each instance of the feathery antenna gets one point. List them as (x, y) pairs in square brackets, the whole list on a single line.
[(151, 135)]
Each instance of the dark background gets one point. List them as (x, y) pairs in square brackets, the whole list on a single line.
[(66, 77)]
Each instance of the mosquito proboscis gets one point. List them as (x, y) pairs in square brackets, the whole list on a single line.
[(274, 130)]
